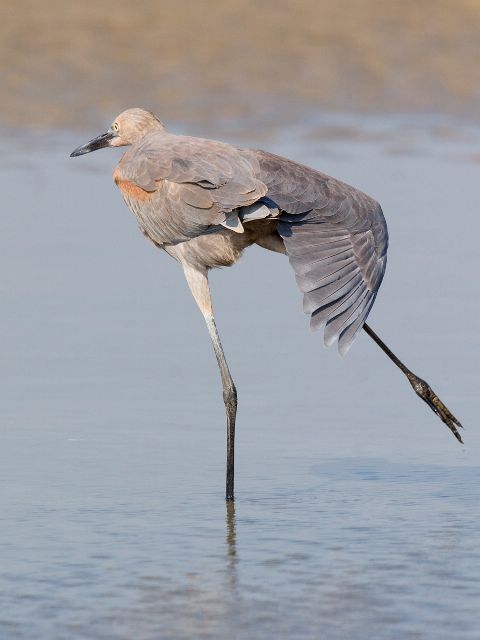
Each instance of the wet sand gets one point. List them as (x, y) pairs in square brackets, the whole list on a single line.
[(237, 64)]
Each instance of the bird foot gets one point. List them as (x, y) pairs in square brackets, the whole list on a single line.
[(426, 393)]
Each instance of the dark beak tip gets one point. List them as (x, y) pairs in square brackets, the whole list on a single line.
[(79, 151), (99, 142)]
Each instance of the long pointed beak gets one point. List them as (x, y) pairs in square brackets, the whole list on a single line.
[(99, 142)]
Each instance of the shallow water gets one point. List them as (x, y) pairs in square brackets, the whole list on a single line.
[(356, 512)]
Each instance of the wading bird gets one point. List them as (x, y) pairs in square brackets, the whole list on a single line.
[(204, 202)]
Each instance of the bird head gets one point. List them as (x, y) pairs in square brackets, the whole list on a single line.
[(127, 128)]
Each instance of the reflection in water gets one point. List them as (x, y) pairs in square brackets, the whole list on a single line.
[(231, 540)]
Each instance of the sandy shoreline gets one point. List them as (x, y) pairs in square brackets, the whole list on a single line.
[(67, 65)]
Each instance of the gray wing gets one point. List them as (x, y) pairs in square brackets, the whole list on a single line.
[(207, 181), (335, 236), (336, 240)]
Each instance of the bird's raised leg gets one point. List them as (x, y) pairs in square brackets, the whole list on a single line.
[(198, 283), (421, 388)]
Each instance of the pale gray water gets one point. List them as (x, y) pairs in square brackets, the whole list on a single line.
[(357, 513)]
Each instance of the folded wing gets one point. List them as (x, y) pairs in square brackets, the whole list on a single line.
[(204, 181)]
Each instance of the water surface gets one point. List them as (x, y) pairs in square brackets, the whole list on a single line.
[(356, 512)]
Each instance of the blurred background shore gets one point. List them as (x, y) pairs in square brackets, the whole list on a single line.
[(217, 64)]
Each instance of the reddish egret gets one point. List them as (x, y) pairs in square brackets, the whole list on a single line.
[(204, 202)]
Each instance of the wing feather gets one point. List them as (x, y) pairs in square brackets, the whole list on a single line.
[(348, 334), (331, 309), (317, 298), (345, 314), (206, 181), (336, 239), (310, 281)]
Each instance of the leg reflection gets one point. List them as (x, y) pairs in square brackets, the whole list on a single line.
[(231, 540)]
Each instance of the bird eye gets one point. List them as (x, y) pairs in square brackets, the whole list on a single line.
[(115, 127)]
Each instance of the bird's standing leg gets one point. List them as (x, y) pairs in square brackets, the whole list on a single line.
[(198, 283), (421, 388)]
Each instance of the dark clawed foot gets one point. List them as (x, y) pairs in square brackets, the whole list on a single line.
[(425, 392)]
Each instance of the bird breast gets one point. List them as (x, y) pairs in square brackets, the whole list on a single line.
[(161, 214), (130, 190)]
